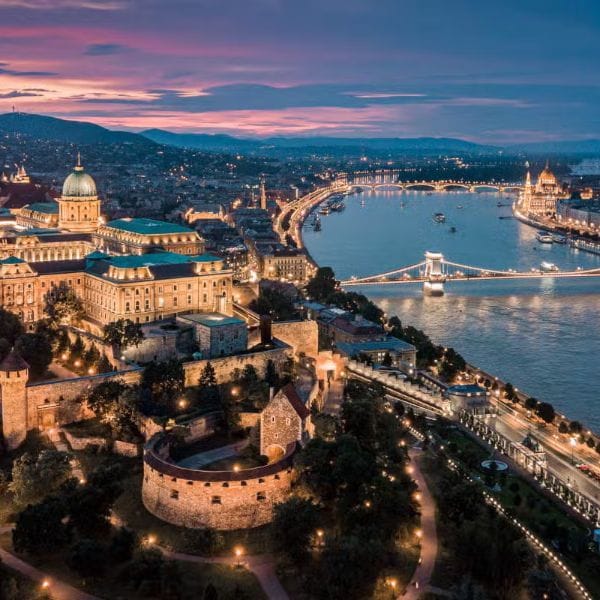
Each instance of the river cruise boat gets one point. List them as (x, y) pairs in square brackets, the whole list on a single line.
[(544, 238), (548, 267), (559, 239)]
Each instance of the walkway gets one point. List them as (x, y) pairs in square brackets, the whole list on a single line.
[(334, 397), (57, 589), (197, 461), (429, 542), (262, 565)]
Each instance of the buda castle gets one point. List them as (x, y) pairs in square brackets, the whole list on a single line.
[(135, 268)]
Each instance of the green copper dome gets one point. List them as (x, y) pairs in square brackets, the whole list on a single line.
[(79, 184)]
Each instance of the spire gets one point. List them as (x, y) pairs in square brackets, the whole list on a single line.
[(78, 166), (528, 180)]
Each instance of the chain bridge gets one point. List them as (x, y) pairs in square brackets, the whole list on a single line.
[(436, 270)]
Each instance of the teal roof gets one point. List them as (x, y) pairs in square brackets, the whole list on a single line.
[(213, 319), (96, 255), (49, 208), (158, 258), (145, 226), (11, 260)]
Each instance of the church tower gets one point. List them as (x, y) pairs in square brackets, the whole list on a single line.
[(263, 194), (14, 373), (79, 206)]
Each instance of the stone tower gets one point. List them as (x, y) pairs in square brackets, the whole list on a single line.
[(14, 373)]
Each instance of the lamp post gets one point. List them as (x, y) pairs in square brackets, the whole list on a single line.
[(573, 443)]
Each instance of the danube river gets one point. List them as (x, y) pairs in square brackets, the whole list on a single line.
[(542, 335)]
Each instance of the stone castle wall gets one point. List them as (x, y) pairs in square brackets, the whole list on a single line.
[(218, 499), (225, 366), (302, 336)]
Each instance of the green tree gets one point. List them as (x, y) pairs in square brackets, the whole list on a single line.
[(294, 523), (123, 333), (104, 365), (122, 545), (209, 390), (10, 327), (63, 306), (87, 558), (509, 391), (34, 478), (39, 528), (531, 404), (271, 375), (36, 350), (103, 399), (91, 356), (546, 412), (563, 427), (77, 348), (165, 382), (274, 303), (323, 285)]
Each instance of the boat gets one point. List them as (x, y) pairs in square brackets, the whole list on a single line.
[(559, 239), (337, 206), (544, 238), (548, 267), (452, 229), (324, 210), (317, 225), (439, 217), (460, 206), (362, 202)]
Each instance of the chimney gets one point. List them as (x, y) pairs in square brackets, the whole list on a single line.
[(265, 330)]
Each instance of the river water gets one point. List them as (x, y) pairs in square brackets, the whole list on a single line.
[(542, 335)]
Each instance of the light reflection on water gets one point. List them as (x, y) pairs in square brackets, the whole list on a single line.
[(543, 335)]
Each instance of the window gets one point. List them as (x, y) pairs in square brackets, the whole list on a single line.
[(288, 421), (175, 494), (273, 419), (215, 500), (261, 496)]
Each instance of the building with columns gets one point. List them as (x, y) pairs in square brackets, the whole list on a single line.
[(141, 269), (541, 199)]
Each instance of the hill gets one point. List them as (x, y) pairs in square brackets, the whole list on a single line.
[(61, 130)]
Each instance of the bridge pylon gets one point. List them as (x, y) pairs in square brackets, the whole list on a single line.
[(434, 273)]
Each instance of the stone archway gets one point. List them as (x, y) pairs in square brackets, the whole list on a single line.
[(274, 452)]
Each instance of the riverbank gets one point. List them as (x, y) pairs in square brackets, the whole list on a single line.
[(485, 323)]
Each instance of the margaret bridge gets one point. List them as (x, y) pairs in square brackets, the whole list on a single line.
[(435, 270)]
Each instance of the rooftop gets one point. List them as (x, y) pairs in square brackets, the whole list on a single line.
[(158, 258), (146, 226), (49, 208), (212, 319), (391, 343)]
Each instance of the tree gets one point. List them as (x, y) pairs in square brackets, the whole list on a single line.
[(91, 356), (274, 303), (88, 558), (122, 545), (387, 360), (546, 412), (104, 365), (563, 428), (36, 350), (33, 479), (103, 399), (575, 427), (322, 286), (209, 390), (271, 375), (210, 592), (63, 306), (591, 442), (77, 348), (531, 403), (40, 529), (10, 327), (165, 382), (509, 391), (295, 521), (123, 333)]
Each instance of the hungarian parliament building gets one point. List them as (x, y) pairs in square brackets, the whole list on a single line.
[(541, 200), (137, 268)]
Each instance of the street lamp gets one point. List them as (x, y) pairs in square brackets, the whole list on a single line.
[(573, 443), (238, 551)]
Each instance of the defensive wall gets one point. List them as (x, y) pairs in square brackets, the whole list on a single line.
[(218, 499)]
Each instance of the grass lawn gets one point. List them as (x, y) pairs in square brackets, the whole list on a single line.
[(227, 464)]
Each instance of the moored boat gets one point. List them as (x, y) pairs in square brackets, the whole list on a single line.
[(544, 238)]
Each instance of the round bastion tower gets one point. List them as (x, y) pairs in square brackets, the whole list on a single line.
[(14, 373)]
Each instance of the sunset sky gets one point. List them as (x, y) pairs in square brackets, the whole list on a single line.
[(484, 70)]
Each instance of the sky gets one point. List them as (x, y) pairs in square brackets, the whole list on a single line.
[(491, 71)]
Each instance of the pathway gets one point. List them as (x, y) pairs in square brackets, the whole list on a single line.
[(429, 542), (57, 589), (262, 565), (334, 397)]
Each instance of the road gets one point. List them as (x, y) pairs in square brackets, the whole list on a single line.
[(559, 462)]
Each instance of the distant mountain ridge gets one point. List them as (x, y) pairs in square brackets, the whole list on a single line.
[(207, 141), (62, 130), (83, 132)]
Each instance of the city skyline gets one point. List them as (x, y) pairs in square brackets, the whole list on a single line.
[(271, 67)]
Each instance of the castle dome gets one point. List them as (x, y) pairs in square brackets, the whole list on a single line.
[(79, 184)]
